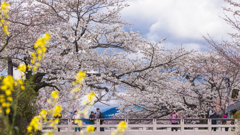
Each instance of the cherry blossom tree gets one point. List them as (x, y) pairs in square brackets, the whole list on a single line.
[(191, 86), (229, 49), (87, 35)]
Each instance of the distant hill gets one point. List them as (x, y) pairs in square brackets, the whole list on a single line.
[(110, 112)]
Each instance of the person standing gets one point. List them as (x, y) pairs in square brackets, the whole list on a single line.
[(213, 114), (99, 115), (174, 115), (91, 118), (224, 122), (75, 117), (59, 122)]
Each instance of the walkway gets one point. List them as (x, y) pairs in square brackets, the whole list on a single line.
[(153, 127)]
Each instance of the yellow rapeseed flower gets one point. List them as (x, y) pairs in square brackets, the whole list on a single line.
[(2, 100), (22, 87), (8, 92), (34, 124), (5, 29), (39, 57), (10, 99), (90, 97), (57, 110), (90, 129), (22, 67), (78, 122), (48, 36), (81, 74), (55, 94), (75, 90), (34, 68), (5, 104), (8, 81), (57, 120), (33, 55), (49, 133), (4, 11), (37, 64), (29, 128), (39, 51), (8, 110), (80, 77), (33, 61), (120, 128), (5, 6)]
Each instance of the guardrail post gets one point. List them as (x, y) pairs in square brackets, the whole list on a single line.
[(182, 126), (126, 120), (236, 126), (41, 121), (209, 125), (169, 128), (196, 128), (69, 125), (154, 125), (98, 125)]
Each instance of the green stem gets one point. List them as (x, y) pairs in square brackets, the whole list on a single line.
[(15, 105)]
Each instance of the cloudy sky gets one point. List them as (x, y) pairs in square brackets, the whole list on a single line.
[(182, 21)]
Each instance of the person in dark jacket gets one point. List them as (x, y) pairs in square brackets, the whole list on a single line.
[(59, 117), (224, 122), (91, 118), (98, 116), (213, 114)]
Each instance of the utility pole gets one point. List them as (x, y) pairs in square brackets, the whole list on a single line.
[(227, 84), (10, 72), (10, 66)]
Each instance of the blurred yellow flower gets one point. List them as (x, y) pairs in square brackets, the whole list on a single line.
[(39, 51), (90, 98), (22, 87), (22, 67), (57, 110), (8, 110), (34, 124), (5, 29), (4, 11), (10, 99), (34, 68), (49, 133), (37, 64), (5, 6), (90, 129), (120, 128), (78, 122), (80, 77), (55, 94), (75, 90)]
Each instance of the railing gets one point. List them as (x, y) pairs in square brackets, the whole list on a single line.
[(152, 127)]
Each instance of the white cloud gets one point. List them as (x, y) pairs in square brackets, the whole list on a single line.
[(183, 21), (188, 46)]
